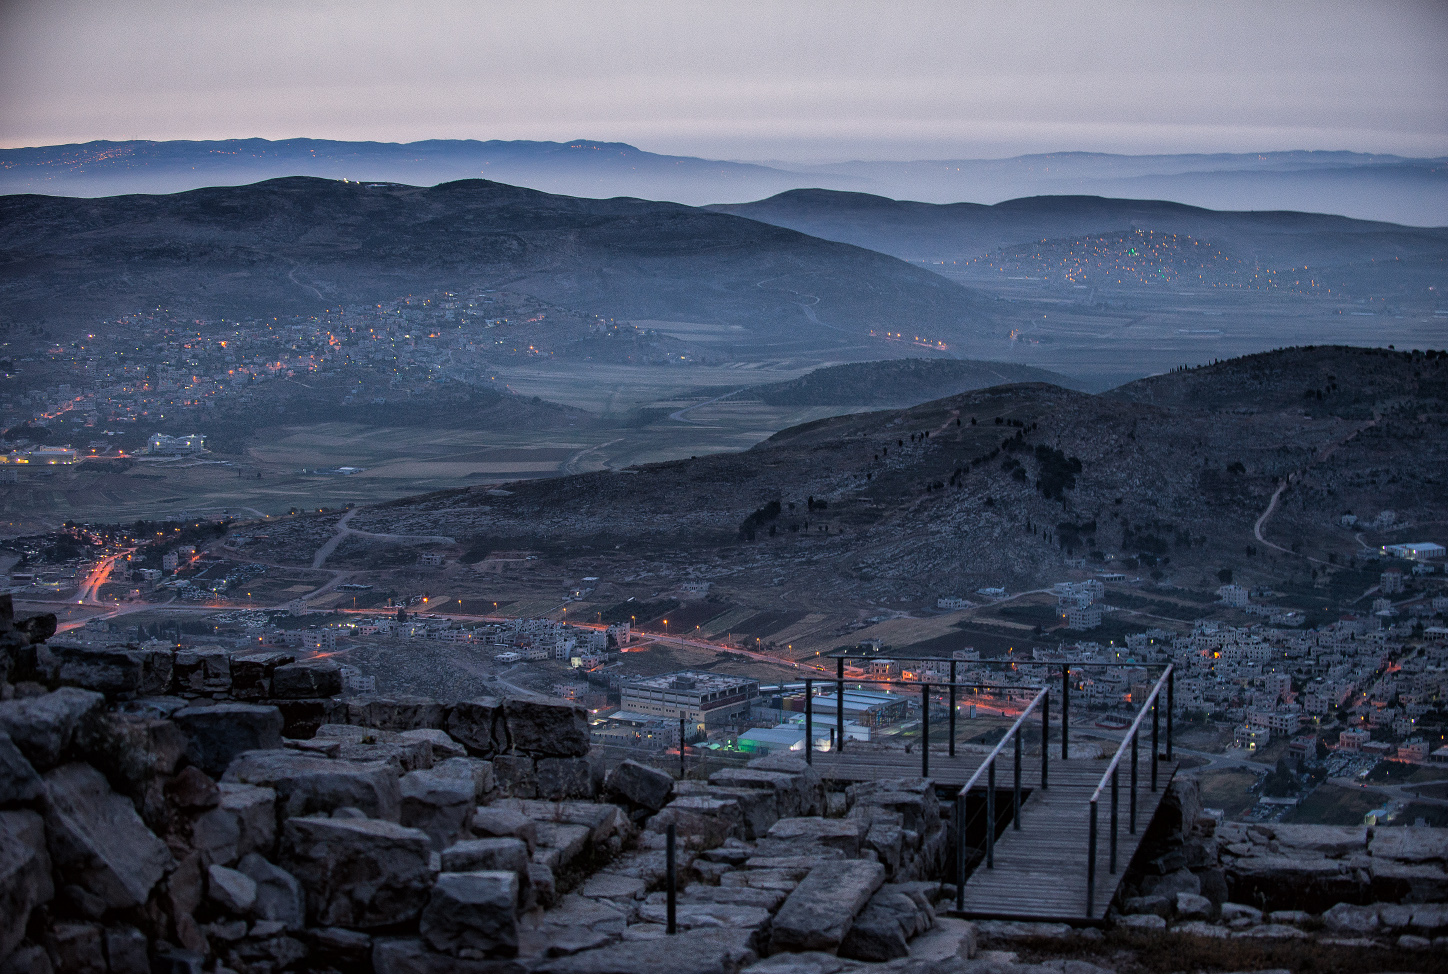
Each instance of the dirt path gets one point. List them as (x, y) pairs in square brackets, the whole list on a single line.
[(343, 530), (1322, 455)]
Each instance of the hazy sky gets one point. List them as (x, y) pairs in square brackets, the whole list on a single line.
[(785, 79)]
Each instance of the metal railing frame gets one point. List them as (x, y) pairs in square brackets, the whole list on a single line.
[(1111, 778)]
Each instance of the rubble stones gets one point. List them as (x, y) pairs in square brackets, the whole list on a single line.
[(305, 784), (43, 727), (846, 835), (1190, 906), (98, 841), (307, 679), (77, 947), (639, 785), (477, 724), (885, 927), (25, 881), (701, 822), (126, 951), (1345, 918), (810, 785), (279, 895), (358, 873), (217, 734), (473, 914), (820, 911), (544, 728), (409, 955)]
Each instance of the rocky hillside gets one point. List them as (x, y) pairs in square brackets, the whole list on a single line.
[(902, 382), (997, 486)]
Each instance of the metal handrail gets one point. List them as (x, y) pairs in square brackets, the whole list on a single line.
[(1130, 732), (1111, 776), (1015, 728), (988, 768)]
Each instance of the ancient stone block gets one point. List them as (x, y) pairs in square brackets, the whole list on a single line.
[(98, 841), (443, 746), (44, 727), (639, 785), (202, 669), (822, 908), (562, 778), (217, 734), (251, 673), (478, 771), (113, 671), (306, 784), (473, 914), (439, 804), (18, 780), (279, 895), (233, 891), (477, 724), (516, 775), (396, 712), (307, 679), (358, 873), (24, 874), (495, 822), (546, 728)]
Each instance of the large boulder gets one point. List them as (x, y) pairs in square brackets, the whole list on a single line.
[(477, 725), (798, 836), (444, 748), (98, 841), (1411, 843), (44, 727), (438, 804), (758, 808), (366, 744), (505, 823), (701, 821), (307, 679), (546, 728), (24, 875), (202, 669), (251, 673), (114, 671), (473, 914), (18, 780), (491, 855), (516, 775), (135, 749), (217, 734), (791, 791), (639, 785), (358, 873), (819, 913), (306, 784), (400, 712)]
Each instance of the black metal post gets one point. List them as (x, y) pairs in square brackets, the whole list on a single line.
[(1065, 713), (840, 702), (1134, 752), (990, 817), (925, 730), (952, 709), (1091, 865), (1016, 800), (960, 850), (1045, 737), (1155, 754), (809, 721), (671, 875), (1115, 804), (683, 770), (1170, 706)]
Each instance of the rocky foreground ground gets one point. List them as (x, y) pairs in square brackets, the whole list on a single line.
[(186, 811)]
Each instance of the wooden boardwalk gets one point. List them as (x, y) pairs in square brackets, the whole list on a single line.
[(1040, 871)]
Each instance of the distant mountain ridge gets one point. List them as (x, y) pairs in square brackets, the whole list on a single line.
[(1381, 187), (299, 244), (900, 382)]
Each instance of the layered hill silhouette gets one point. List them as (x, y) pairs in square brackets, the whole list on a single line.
[(298, 244)]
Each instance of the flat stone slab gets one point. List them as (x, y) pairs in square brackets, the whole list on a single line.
[(613, 886), (688, 952), (818, 914)]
